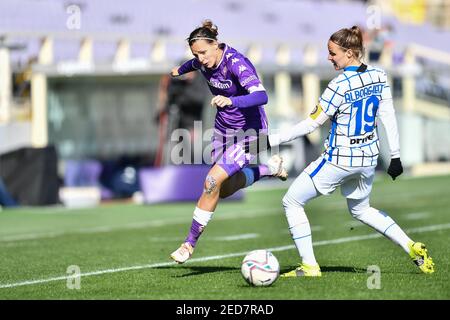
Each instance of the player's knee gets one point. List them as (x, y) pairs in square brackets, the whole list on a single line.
[(362, 213), (358, 208), (289, 201), (355, 213), (367, 215), (211, 185), (286, 201), (296, 216)]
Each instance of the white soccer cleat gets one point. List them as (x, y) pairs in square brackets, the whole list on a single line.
[(183, 253), (275, 165)]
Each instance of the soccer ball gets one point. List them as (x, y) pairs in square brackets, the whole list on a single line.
[(260, 268)]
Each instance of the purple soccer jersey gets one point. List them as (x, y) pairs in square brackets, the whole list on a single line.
[(234, 77)]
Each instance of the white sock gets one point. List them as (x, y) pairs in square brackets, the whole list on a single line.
[(384, 224), (301, 233), (380, 221), (396, 234), (202, 216)]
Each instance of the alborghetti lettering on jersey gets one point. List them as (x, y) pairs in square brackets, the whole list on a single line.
[(352, 101)]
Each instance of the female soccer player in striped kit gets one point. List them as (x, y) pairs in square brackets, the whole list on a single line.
[(353, 101), (240, 98)]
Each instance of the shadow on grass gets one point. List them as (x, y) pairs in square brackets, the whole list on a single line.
[(343, 269), (333, 269), (198, 270)]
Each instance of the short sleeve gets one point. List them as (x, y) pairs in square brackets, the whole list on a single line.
[(332, 97)]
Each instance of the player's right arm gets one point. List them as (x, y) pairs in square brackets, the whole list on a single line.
[(329, 102), (304, 127), (186, 67), (174, 72)]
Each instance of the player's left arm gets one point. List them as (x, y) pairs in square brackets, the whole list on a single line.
[(386, 114)]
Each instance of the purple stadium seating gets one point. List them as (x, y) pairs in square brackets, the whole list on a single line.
[(240, 23)]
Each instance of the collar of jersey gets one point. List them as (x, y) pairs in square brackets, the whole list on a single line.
[(223, 55), (351, 68), (360, 68)]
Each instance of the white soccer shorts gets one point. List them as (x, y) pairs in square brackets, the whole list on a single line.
[(355, 182)]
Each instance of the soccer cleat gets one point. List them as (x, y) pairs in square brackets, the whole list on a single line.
[(419, 254), (304, 270), (275, 165), (183, 253)]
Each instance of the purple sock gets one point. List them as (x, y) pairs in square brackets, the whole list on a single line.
[(264, 170), (194, 233)]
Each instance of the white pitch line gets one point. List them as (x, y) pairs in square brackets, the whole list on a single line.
[(136, 225), (313, 228), (218, 257), (416, 215), (236, 237), (243, 236)]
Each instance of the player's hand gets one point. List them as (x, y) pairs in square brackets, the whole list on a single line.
[(174, 72), (221, 101), (395, 168)]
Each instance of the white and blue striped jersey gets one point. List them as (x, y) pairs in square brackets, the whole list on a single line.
[(353, 101)]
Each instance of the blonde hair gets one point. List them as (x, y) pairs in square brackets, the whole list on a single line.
[(350, 39)]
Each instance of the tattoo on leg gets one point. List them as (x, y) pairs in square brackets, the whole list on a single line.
[(211, 185)]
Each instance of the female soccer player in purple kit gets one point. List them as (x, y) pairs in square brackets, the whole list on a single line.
[(240, 98)]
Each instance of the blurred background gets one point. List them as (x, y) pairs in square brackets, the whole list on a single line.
[(87, 109)]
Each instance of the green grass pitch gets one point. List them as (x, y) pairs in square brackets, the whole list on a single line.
[(122, 250)]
